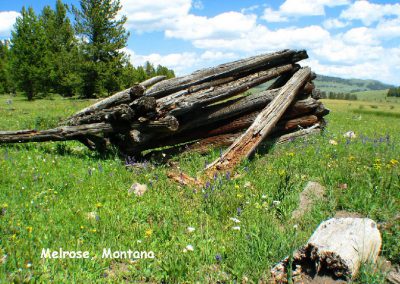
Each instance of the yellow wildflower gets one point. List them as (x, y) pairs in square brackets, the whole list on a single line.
[(94, 230), (148, 233), (99, 205), (394, 162), (237, 186), (29, 229)]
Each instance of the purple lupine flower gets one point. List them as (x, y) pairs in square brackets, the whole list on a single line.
[(228, 175), (218, 258), (206, 195), (239, 211), (208, 184)]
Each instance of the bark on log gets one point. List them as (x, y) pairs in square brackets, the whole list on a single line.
[(337, 248), (224, 140), (244, 66), (263, 124), (62, 133), (185, 102)]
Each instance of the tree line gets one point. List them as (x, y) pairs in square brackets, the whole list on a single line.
[(47, 53), (394, 92), (338, 96)]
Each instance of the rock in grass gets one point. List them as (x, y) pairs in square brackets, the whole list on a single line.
[(313, 191), (138, 189)]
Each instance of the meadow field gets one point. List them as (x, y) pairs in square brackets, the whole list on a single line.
[(60, 195)]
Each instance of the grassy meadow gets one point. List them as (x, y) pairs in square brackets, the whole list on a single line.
[(60, 195)]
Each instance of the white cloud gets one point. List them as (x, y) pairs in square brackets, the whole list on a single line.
[(7, 20), (146, 15), (300, 8), (334, 24), (226, 25), (273, 16), (181, 63), (262, 39), (362, 35), (369, 13)]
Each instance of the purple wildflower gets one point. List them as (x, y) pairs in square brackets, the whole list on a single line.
[(228, 175), (218, 258), (239, 211)]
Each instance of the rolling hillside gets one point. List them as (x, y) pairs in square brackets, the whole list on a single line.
[(340, 85)]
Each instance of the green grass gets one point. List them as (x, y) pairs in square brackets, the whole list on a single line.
[(47, 191)]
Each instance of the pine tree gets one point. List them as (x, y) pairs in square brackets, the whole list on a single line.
[(102, 38), (61, 55), (27, 53), (5, 80)]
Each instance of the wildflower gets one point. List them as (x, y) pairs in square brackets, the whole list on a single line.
[(291, 154), (238, 211), (218, 258), (148, 233), (237, 186), (263, 196), (82, 227), (281, 172), (93, 216), (28, 265), (94, 230), (333, 142), (295, 226), (247, 184), (350, 135), (188, 248), (394, 162), (29, 229), (190, 229), (139, 241), (99, 205), (235, 220), (351, 158), (276, 202), (236, 228)]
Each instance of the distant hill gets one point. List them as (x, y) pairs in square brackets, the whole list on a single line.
[(340, 85)]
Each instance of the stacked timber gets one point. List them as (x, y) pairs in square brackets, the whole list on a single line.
[(208, 108)]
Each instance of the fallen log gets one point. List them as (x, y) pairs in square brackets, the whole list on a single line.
[(263, 124), (337, 249), (62, 133)]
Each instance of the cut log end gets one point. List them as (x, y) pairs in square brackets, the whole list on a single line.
[(337, 248)]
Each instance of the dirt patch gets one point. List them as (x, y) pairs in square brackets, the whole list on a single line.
[(313, 191), (347, 214)]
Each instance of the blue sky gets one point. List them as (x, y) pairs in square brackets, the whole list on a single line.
[(350, 39)]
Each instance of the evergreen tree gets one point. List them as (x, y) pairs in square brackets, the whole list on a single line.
[(162, 70), (5, 80), (61, 55), (102, 38), (27, 53)]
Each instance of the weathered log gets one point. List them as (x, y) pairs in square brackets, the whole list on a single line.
[(337, 249), (224, 140), (263, 124), (244, 66), (185, 102), (62, 133)]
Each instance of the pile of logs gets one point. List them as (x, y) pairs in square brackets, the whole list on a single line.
[(208, 108)]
